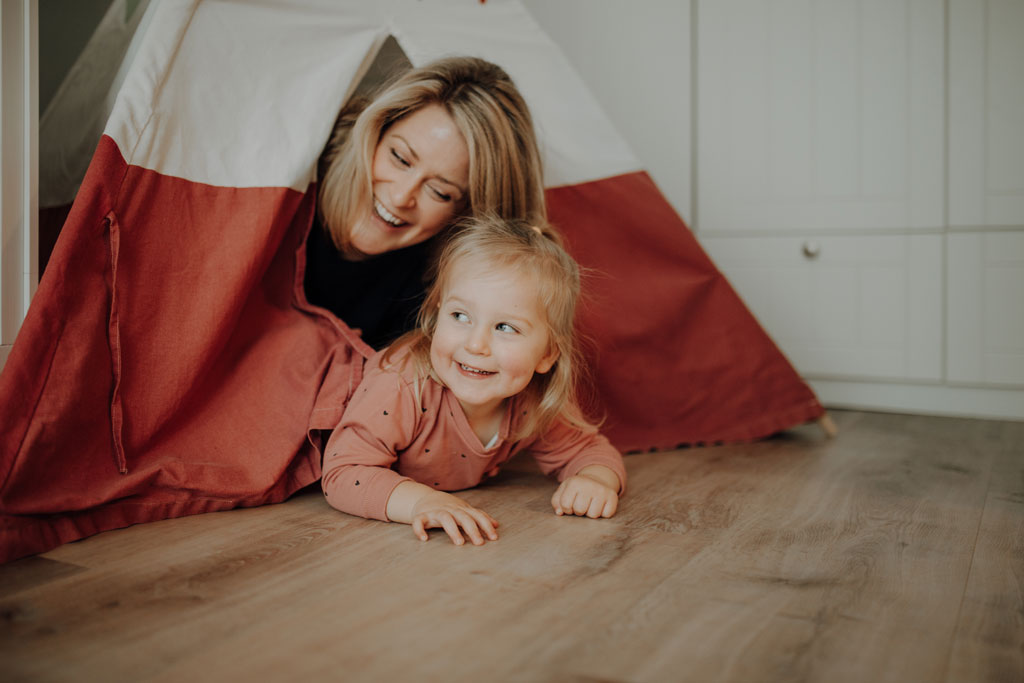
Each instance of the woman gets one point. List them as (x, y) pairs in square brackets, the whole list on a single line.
[(449, 139)]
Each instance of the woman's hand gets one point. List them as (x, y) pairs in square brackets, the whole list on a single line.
[(438, 509), (592, 493)]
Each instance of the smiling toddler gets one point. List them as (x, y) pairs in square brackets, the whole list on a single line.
[(489, 372)]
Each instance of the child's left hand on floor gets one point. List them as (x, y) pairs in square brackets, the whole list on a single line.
[(588, 493)]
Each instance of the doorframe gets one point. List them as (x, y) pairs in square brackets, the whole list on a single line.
[(19, 165)]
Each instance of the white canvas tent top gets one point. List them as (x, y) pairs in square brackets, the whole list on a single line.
[(250, 52)]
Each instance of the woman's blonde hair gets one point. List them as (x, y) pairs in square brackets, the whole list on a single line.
[(505, 174), (536, 250)]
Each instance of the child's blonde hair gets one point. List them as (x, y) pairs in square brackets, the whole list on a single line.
[(535, 249), (505, 171)]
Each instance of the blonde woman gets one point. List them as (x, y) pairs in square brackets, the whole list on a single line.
[(450, 139)]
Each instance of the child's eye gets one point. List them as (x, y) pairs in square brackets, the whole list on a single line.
[(459, 316), (505, 327), (398, 157)]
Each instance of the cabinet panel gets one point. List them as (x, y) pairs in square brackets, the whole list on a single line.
[(985, 324), (866, 307), (986, 113), (818, 115)]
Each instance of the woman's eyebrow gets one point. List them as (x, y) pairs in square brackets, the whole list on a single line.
[(408, 147)]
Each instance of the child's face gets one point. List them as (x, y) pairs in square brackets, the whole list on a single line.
[(491, 335)]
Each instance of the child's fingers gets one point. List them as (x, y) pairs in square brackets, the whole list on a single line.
[(451, 528), (556, 498), (568, 500), (470, 526), (610, 507), (596, 507), (419, 529), (485, 523), (580, 505)]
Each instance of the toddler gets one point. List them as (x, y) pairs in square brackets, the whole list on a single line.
[(489, 372)]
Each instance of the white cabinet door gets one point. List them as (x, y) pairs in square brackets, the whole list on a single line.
[(817, 114), (985, 323), (844, 307), (986, 113)]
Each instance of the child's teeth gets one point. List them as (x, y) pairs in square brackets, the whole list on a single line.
[(474, 370)]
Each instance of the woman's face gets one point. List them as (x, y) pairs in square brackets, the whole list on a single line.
[(420, 180)]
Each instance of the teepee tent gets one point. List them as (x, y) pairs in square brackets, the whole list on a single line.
[(170, 364)]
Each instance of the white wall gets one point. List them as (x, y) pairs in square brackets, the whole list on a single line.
[(635, 57)]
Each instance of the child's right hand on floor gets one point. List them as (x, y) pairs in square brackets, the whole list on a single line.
[(425, 508), (438, 509)]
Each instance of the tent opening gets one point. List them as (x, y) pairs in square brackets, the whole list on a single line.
[(389, 62)]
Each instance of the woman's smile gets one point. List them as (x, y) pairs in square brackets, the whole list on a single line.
[(387, 216)]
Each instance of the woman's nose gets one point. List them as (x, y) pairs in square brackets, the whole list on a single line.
[(403, 192)]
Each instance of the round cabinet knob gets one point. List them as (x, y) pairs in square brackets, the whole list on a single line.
[(811, 249)]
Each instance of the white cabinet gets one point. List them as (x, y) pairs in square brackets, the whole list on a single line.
[(858, 132), (985, 325), (866, 307), (820, 127), (820, 115), (986, 113)]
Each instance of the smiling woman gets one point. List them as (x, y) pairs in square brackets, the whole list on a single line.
[(450, 139)]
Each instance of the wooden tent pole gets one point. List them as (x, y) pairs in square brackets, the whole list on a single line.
[(828, 426)]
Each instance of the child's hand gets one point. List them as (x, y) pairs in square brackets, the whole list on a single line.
[(588, 493), (438, 509)]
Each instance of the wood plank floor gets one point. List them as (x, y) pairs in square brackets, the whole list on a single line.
[(892, 553)]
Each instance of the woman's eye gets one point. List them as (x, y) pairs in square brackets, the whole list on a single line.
[(440, 195), (505, 327), (398, 157)]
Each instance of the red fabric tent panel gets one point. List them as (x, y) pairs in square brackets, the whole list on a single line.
[(167, 365), (675, 355)]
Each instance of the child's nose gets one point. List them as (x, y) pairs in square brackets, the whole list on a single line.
[(477, 341)]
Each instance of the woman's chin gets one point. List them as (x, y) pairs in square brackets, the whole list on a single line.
[(374, 240), (374, 245)]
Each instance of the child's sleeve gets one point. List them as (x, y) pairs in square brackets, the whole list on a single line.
[(379, 422), (565, 450)]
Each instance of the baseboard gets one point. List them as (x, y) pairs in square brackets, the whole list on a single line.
[(999, 404)]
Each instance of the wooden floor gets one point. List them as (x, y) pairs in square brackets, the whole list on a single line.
[(892, 553)]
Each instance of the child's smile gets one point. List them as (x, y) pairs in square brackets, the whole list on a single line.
[(491, 337)]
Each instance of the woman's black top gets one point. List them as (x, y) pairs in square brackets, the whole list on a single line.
[(379, 296)]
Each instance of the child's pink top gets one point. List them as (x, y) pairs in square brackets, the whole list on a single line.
[(387, 436)]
